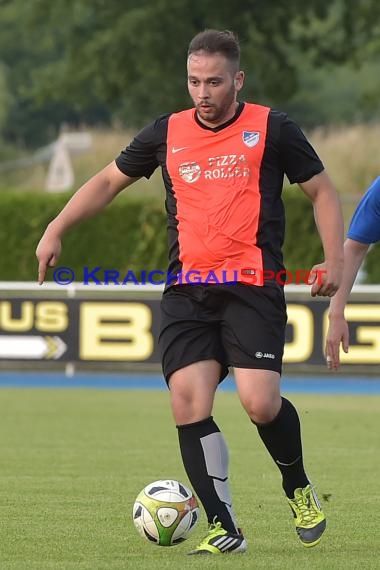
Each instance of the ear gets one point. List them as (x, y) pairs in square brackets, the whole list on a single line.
[(239, 80)]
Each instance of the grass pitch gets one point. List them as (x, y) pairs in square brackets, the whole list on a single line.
[(72, 462)]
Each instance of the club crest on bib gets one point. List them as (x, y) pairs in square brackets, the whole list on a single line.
[(190, 171), (251, 138)]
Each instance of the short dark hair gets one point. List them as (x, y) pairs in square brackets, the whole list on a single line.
[(216, 41)]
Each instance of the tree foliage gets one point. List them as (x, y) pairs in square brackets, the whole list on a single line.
[(80, 61)]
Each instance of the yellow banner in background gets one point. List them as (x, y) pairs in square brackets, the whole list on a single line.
[(122, 327)]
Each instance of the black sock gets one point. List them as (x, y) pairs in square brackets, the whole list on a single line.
[(205, 458), (282, 438)]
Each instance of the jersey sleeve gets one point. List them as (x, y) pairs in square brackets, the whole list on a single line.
[(299, 159), (141, 157), (365, 223)]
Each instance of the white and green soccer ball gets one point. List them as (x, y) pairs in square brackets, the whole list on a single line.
[(165, 512)]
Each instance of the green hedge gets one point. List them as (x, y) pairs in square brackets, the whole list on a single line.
[(302, 247), (129, 235), (372, 265)]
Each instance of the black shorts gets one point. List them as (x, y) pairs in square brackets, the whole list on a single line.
[(236, 324)]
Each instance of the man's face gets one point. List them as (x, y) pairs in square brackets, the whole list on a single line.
[(213, 85)]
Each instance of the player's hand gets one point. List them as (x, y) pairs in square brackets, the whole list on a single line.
[(47, 252), (325, 279), (337, 335)]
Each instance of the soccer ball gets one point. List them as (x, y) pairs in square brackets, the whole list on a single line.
[(165, 512)]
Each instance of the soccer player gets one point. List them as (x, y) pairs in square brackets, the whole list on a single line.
[(223, 164), (364, 230)]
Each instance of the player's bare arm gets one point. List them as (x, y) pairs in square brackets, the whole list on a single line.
[(329, 221), (88, 201), (338, 334)]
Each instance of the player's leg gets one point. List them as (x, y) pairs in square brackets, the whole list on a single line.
[(204, 453), (203, 448), (278, 425), (255, 336), (192, 357)]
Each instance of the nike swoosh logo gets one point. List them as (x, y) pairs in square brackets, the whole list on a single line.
[(174, 150), (288, 464)]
